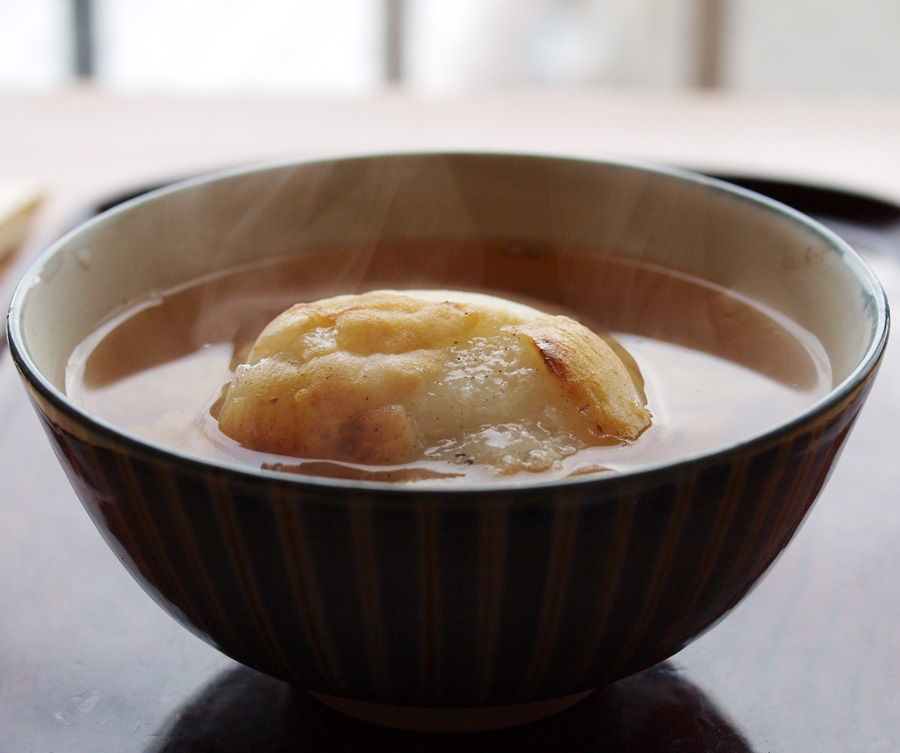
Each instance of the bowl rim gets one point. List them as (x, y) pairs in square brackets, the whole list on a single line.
[(865, 368)]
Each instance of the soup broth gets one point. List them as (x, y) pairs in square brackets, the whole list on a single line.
[(716, 367)]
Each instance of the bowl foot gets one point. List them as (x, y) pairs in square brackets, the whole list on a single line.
[(434, 719)]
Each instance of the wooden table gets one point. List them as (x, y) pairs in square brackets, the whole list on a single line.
[(810, 661)]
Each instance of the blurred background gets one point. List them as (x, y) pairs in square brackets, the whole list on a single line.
[(435, 47)]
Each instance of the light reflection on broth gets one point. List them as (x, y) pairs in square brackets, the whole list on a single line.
[(716, 367)]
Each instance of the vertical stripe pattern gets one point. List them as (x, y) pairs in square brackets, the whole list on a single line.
[(450, 598)]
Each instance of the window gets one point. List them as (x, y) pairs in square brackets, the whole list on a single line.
[(346, 47)]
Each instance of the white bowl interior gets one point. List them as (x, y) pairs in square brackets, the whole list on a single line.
[(688, 224)]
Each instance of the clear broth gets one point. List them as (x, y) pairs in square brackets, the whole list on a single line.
[(716, 366)]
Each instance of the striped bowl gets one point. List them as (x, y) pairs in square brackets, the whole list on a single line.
[(381, 597)]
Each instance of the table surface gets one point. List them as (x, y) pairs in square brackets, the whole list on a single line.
[(810, 661)]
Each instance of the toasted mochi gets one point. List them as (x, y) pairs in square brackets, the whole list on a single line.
[(387, 377)]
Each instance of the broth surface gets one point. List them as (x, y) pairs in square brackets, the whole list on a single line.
[(716, 367)]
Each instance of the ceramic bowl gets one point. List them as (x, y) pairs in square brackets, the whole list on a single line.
[(382, 598)]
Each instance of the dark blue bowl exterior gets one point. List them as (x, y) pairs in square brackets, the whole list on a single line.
[(459, 599)]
